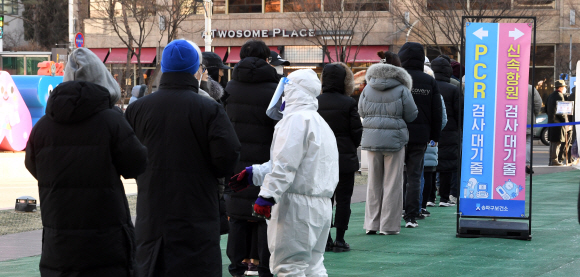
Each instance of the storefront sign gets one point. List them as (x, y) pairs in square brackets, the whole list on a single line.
[(276, 32), (494, 139)]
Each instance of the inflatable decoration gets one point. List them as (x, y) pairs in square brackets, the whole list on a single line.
[(15, 121), (35, 91), (50, 68)]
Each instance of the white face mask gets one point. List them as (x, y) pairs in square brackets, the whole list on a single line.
[(564, 90), (279, 69)]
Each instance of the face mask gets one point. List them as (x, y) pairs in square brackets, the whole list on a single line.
[(564, 91), (279, 69)]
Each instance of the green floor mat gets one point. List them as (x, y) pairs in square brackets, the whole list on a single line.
[(433, 250)]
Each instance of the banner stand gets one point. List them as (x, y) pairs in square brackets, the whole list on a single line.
[(490, 224)]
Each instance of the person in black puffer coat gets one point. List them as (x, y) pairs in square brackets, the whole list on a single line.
[(77, 152), (449, 144), (341, 113), (250, 91), (191, 144), (426, 127)]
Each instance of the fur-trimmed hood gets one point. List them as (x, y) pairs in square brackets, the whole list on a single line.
[(338, 78), (387, 76)]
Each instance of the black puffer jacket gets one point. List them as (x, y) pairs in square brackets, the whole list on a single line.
[(426, 94), (77, 152), (250, 91), (448, 144), (191, 143), (341, 113)]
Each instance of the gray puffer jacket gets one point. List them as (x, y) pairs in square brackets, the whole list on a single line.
[(386, 106)]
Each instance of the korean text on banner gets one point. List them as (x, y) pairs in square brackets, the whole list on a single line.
[(496, 94)]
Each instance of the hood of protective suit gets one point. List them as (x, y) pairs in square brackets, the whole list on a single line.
[(302, 90), (84, 65)]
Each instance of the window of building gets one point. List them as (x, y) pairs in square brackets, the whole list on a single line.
[(534, 4), (10, 6), (301, 5), (365, 5), (272, 6), (489, 4), (447, 4), (32, 64), (545, 71), (303, 54), (245, 6), (219, 6), (13, 65)]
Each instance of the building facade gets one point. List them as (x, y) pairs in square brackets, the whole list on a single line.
[(281, 25)]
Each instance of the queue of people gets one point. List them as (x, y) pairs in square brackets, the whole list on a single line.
[(266, 155)]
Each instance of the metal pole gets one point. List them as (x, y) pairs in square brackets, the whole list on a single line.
[(207, 5), (570, 68), (71, 36)]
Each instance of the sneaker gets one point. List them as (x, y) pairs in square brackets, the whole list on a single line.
[(385, 233), (340, 246), (420, 217), (371, 232), (425, 212), (446, 204), (452, 199), (430, 204), (252, 270), (411, 223)]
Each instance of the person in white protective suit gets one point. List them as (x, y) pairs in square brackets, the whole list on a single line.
[(298, 181)]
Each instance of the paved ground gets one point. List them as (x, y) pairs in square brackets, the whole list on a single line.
[(433, 250), (21, 250)]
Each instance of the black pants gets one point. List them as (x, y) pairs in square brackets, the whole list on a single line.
[(342, 196), (238, 247), (414, 155), (430, 179), (445, 185)]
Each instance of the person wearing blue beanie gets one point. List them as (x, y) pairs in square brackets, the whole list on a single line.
[(191, 143), (180, 56)]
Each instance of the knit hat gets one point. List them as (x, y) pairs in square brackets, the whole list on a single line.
[(180, 56)]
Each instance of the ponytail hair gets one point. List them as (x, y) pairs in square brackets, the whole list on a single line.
[(389, 57)]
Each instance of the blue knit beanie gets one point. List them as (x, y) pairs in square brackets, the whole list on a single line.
[(179, 56)]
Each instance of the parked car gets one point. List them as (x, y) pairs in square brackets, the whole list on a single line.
[(542, 132)]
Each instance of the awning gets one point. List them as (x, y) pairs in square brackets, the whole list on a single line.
[(117, 55), (147, 55), (274, 48), (234, 56), (220, 51), (102, 53), (367, 53)]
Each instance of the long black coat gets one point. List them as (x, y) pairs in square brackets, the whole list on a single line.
[(77, 152), (427, 125), (251, 89), (555, 134), (341, 114), (448, 144), (190, 143)]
